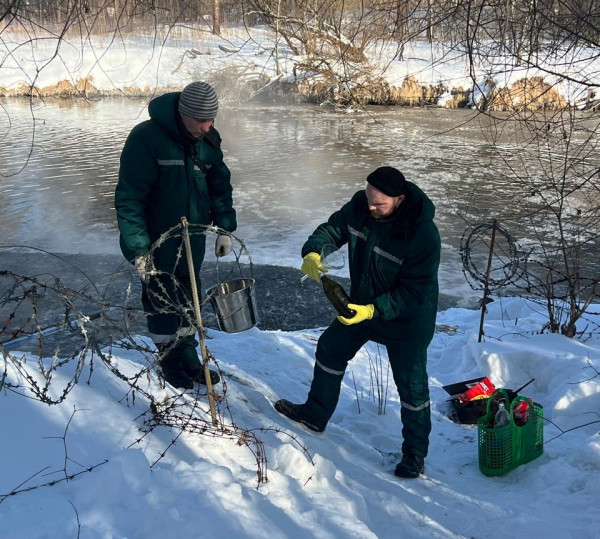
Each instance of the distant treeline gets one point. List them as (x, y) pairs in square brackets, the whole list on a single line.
[(337, 39), (512, 23)]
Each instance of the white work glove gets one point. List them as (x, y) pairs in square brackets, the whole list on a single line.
[(143, 266), (223, 245)]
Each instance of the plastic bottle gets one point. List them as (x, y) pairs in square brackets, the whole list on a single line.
[(521, 412), (337, 296), (502, 418)]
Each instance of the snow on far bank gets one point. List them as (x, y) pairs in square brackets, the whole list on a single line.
[(144, 65)]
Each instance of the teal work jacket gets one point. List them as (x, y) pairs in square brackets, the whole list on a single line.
[(165, 175), (393, 263)]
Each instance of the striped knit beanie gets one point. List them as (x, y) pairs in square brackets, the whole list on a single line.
[(199, 100)]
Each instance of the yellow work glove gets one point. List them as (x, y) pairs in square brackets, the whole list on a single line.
[(311, 266), (363, 312)]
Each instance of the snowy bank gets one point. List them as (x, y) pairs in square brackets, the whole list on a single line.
[(242, 66), (128, 477)]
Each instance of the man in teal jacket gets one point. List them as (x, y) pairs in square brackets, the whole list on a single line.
[(172, 167), (394, 254)]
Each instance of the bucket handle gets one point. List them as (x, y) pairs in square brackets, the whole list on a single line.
[(239, 267)]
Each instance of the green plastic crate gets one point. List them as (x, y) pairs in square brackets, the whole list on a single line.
[(503, 449)]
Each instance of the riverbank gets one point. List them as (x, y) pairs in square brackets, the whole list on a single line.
[(246, 70), (105, 288), (526, 94)]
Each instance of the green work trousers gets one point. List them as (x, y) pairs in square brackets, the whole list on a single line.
[(167, 302), (408, 360)]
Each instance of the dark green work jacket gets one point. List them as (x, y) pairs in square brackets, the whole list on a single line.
[(393, 263), (165, 175)]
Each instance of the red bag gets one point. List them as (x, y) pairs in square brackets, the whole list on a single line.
[(481, 390)]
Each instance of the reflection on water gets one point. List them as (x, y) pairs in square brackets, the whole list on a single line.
[(58, 174), (291, 167)]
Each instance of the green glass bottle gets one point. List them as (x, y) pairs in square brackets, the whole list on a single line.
[(337, 296)]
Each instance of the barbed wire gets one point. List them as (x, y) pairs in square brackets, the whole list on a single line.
[(553, 277), (507, 263), (94, 321)]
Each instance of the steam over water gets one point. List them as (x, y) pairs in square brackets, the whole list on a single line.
[(292, 166)]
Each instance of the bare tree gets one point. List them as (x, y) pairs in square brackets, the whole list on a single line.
[(216, 29), (554, 178), (552, 158)]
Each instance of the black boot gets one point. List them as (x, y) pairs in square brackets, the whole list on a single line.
[(191, 363), (298, 412), (178, 380), (410, 466), (172, 368), (201, 379)]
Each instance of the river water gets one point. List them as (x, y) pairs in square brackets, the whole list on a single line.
[(292, 166)]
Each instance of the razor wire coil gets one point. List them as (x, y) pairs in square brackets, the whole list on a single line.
[(476, 245)]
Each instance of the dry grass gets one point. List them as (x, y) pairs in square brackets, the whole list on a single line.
[(409, 94), (525, 94), (366, 86)]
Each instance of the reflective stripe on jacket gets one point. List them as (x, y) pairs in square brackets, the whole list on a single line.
[(393, 263), (164, 176)]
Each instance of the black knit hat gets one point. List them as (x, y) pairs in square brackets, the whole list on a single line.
[(388, 180), (199, 100)]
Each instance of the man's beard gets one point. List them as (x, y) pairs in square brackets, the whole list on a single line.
[(378, 216)]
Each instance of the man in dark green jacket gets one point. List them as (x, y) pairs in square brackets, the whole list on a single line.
[(172, 167), (394, 254)]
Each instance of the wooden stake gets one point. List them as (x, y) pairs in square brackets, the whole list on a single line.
[(209, 386), (486, 289)]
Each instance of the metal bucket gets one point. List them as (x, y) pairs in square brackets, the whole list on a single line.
[(234, 303)]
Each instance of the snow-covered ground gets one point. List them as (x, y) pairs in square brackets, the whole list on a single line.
[(124, 484), (336, 484)]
